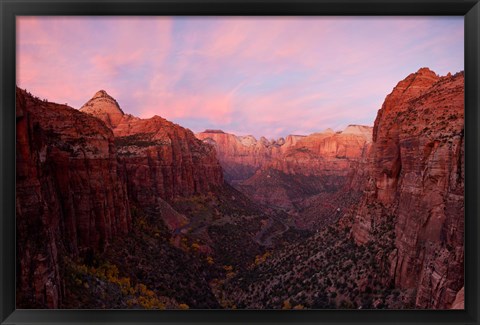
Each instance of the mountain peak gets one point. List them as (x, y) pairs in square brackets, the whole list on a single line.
[(104, 107), (425, 71), (101, 93), (413, 85), (359, 130), (422, 76), (213, 131)]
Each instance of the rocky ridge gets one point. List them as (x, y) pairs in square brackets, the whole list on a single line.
[(300, 174), (71, 194), (242, 156), (161, 159), (415, 173)]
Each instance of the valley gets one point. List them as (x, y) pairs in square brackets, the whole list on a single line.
[(116, 211)]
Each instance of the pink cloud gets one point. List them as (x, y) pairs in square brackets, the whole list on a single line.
[(267, 74), (217, 107), (110, 64), (59, 58)]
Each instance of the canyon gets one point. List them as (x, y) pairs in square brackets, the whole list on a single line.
[(417, 175), (144, 210), (297, 174)]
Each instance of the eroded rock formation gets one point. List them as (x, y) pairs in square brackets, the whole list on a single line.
[(416, 174), (161, 159), (315, 154), (70, 194), (77, 181), (300, 174)]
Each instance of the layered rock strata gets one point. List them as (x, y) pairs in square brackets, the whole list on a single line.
[(161, 159), (70, 194), (295, 173), (315, 154), (416, 174)]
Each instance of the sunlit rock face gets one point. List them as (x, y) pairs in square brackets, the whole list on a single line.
[(300, 174), (104, 107), (242, 156), (80, 172), (70, 194), (161, 159), (416, 173)]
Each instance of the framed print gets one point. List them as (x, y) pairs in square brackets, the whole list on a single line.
[(213, 162)]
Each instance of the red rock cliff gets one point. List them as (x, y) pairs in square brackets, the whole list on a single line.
[(325, 154), (162, 160), (317, 154), (416, 174), (240, 156), (70, 196)]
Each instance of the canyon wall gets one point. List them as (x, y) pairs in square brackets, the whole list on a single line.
[(78, 180), (161, 160), (325, 153), (415, 172), (241, 156), (304, 175), (70, 194)]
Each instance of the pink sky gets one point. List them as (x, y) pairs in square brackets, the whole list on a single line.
[(269, 76)]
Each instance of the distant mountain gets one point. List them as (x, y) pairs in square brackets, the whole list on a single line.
[(242, 156), (298, 174)]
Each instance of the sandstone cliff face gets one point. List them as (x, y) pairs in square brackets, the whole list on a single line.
[(316, 154), (104, 107), (325, 154), (417, 175), (161, 160), (77, 182), (70, 194), (286, 172), (240, 156)]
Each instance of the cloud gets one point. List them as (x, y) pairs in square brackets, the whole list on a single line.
[(252, 75), (217, 108), (69, 59)]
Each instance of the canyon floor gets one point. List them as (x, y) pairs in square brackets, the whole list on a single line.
[(115, 211)]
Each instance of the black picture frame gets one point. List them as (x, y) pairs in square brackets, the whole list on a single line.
[(9, 9)]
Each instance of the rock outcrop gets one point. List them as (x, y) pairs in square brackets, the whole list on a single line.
[(70, 194), (318, 153), (416, 174), (161, 159), (240, 156), (80, 175), (459, 302), (104, 107), (284, 173), (325, 153)]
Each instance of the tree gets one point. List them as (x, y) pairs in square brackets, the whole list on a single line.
[(286, 305)]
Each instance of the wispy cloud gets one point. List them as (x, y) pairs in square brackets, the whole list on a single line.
[(250, 75)]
